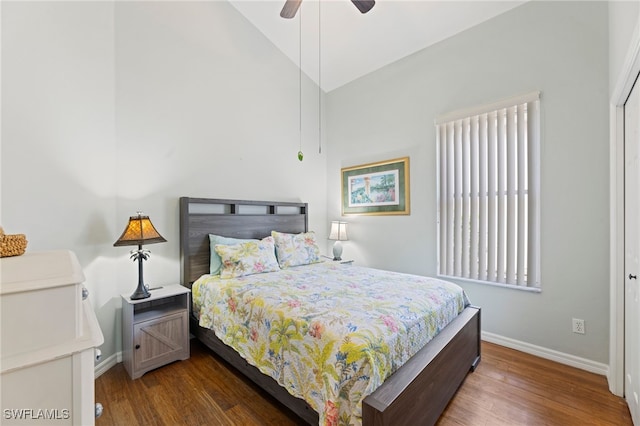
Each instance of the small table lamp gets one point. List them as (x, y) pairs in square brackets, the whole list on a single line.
[(338, 233), (139, 231)]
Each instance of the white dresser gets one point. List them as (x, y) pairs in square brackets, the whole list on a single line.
[(48, 337)]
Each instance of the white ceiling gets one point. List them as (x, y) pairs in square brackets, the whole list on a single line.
[(353, 44)]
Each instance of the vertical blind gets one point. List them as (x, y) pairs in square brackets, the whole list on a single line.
[(488, 192)]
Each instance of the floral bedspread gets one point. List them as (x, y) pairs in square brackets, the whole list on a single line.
[(327, 332)]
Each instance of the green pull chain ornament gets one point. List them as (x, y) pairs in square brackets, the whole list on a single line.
[(300, 155)]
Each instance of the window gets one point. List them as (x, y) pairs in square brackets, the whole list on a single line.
[(488, 193)]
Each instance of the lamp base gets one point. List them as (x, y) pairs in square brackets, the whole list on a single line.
[(140, 293), (337, 250)]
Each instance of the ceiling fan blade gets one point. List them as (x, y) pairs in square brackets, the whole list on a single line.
[(364, 5), (290, 8)]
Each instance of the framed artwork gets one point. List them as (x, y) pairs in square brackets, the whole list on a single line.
[(376, 188)]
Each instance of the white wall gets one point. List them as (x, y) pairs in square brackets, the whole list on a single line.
[(113, 107), (58, 148), (560, 48)]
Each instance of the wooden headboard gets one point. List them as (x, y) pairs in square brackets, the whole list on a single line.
[(200, 217)]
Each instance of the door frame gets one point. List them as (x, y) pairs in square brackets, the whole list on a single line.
[(621, 91)]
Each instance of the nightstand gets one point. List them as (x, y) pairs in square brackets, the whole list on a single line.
[(155, 330)]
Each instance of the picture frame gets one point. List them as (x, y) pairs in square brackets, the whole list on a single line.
[(380, 188)]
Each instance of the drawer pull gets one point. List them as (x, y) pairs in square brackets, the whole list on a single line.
[(85, 293), (98, 354), (137, 346)]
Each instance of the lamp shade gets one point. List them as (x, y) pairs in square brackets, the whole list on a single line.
[(338, 231), (139, 231)]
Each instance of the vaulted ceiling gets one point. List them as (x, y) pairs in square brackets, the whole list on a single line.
[(350, 44)]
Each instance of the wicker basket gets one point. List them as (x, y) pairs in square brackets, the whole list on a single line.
[(12, 245)]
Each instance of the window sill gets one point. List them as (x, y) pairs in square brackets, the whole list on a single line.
[(493, 284)]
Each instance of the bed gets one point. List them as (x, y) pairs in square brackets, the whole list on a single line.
[(416, 393)]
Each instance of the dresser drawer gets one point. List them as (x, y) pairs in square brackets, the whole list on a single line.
[(41, 293), (56, 392)]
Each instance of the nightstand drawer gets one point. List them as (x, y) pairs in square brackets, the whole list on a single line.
[(159, 341)]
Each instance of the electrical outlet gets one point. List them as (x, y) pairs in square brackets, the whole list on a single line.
[(578, 326)]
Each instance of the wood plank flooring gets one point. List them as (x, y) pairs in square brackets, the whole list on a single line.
[(508, 388)]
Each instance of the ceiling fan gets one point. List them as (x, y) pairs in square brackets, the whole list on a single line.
[(291, 7)]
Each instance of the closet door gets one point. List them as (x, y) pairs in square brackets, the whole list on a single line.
[(632, 253)]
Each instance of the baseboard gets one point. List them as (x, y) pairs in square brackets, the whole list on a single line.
[(550, 354), (105, 365)]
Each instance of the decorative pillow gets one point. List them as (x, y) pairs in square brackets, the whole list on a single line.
[(252, 257), (296, 249), (215, 264)]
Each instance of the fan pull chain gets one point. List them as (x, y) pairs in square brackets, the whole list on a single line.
[(300, 154), (319, 84)]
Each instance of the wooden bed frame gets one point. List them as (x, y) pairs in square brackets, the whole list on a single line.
[(417, 393)]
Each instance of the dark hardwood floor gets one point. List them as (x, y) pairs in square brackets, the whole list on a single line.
[(508, 388)]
